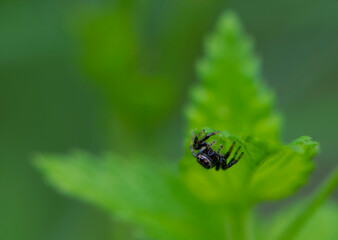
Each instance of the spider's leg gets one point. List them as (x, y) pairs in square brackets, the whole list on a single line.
[(195, 141), (200, 133), (234, 160), (192, 146), (240, 156), (212, 143), (220, 148), (206, 137), (226, 156), (200, 151), (192, 151), (218, 164), (230, 151), (234, 157)]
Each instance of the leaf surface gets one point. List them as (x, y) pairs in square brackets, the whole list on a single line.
[(231, 95), (142, 191)]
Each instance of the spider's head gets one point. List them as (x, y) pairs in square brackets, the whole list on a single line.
[(204, 160)]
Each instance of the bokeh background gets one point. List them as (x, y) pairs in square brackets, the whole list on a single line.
[(84, 75)]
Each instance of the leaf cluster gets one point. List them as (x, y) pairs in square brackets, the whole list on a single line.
[(190, 202)]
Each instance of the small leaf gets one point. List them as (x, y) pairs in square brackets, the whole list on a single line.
[(262, 173), (224, 186), (281, 173)]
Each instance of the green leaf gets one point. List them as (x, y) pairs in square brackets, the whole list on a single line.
[(146, 192), (231, 95)]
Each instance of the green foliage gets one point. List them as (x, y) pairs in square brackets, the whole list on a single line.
[(192, 202), (145, 191), (302, 220), (321, 225), (304, 213)]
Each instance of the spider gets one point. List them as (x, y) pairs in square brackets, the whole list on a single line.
[(207, 157)]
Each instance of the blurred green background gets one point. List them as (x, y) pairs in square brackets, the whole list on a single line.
[(83, 75)]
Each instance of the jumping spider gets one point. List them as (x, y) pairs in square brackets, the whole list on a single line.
[(207, 157)]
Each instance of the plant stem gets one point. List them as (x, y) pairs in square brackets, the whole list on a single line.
[(310, 208), (236, 224)]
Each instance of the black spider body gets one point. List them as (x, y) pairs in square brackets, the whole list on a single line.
[(208, 157)]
